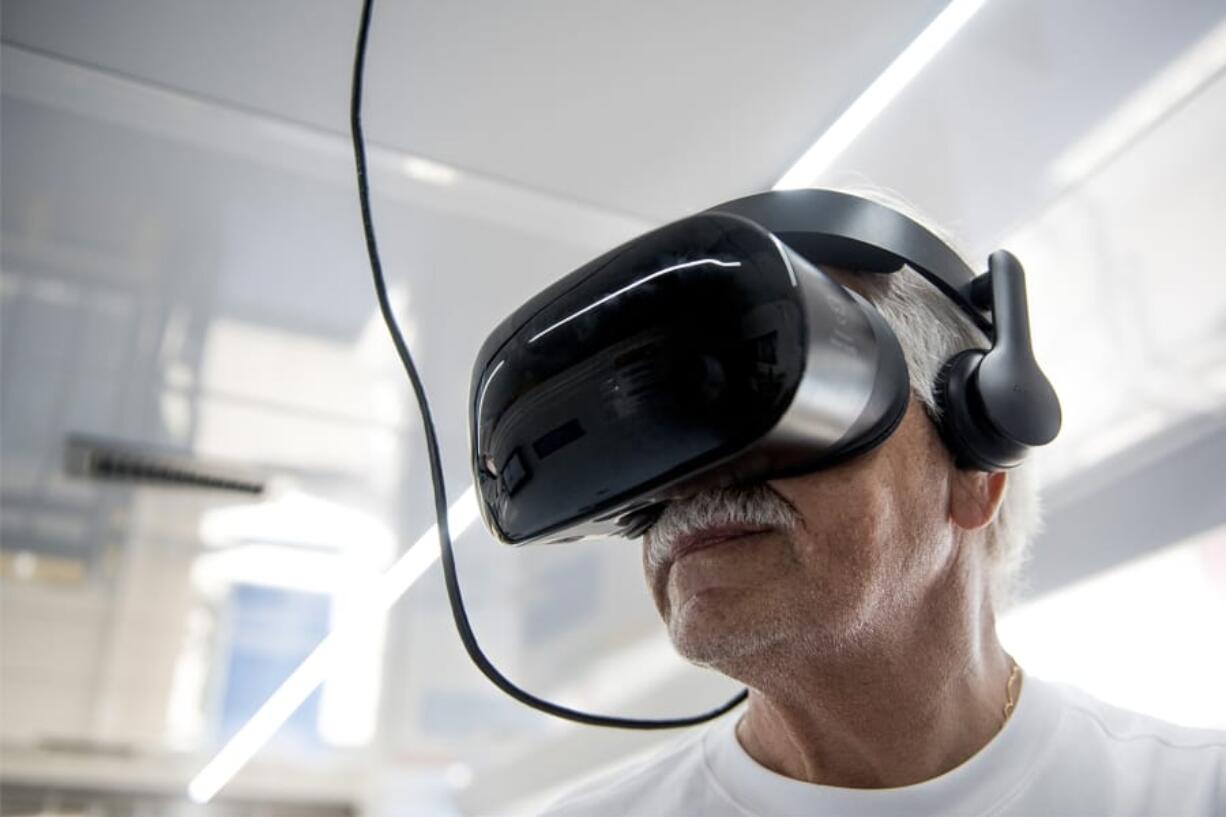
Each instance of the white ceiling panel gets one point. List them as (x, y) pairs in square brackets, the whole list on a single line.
[(972, 139), (650, 108)]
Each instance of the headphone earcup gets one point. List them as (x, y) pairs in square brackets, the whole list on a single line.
[(963, 422)]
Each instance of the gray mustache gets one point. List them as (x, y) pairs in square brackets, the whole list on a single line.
[(755, 505)]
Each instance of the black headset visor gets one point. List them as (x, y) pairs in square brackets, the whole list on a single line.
[(706, 352), (661, 357)]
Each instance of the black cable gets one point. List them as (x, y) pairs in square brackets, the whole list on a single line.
[(436, 468)]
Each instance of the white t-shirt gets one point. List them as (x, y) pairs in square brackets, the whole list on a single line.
[(1061, 753)]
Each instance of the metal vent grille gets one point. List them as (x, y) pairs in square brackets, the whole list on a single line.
[(117, 461)]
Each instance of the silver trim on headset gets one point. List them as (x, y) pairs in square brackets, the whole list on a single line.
[(840, 368)]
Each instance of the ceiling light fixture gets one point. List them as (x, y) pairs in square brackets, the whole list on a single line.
[(424, 170), (877, 96)]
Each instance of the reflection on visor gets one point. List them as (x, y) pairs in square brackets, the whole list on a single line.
[(629, 287)]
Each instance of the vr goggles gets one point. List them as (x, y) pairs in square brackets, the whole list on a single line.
[(711, 352), (714, 351)]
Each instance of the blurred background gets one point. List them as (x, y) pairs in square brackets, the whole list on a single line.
[(186, 299)]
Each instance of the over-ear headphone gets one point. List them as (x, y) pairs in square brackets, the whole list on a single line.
[(994, 406)]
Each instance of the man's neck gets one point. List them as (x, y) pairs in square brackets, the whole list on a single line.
[(916, 705)]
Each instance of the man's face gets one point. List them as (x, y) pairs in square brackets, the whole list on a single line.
[(848, 553)]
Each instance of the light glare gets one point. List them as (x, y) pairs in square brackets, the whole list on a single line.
[(877, 96), (1145, 108)]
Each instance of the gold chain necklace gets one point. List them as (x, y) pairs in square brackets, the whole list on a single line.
[(1009, 702)]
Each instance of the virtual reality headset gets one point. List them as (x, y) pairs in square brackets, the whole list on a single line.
[(714, 351)]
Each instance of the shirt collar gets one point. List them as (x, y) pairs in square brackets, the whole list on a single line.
[(992, 775)]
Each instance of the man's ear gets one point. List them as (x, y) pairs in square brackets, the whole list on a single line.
[(975, 497)]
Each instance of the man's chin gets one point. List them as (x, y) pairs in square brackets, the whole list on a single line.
[(727, 653), (708, 639)]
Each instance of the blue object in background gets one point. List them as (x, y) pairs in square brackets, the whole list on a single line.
[(272, 630)]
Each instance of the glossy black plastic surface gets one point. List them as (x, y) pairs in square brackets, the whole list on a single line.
[(660, 357), (1018, 399), (853, 233)]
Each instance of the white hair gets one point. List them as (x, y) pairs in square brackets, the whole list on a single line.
[(931, 330)]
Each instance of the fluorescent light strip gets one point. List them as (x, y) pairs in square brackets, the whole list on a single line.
[(424, 170), (1179, 81), (877, 96), (386, 590)]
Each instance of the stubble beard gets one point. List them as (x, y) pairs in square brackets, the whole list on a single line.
[(729, 649), (728, 639)]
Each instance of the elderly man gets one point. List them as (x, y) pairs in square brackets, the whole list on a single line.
[(858, 605)]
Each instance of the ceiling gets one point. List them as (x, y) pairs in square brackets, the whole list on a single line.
[(655, 109), (183, 267)]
